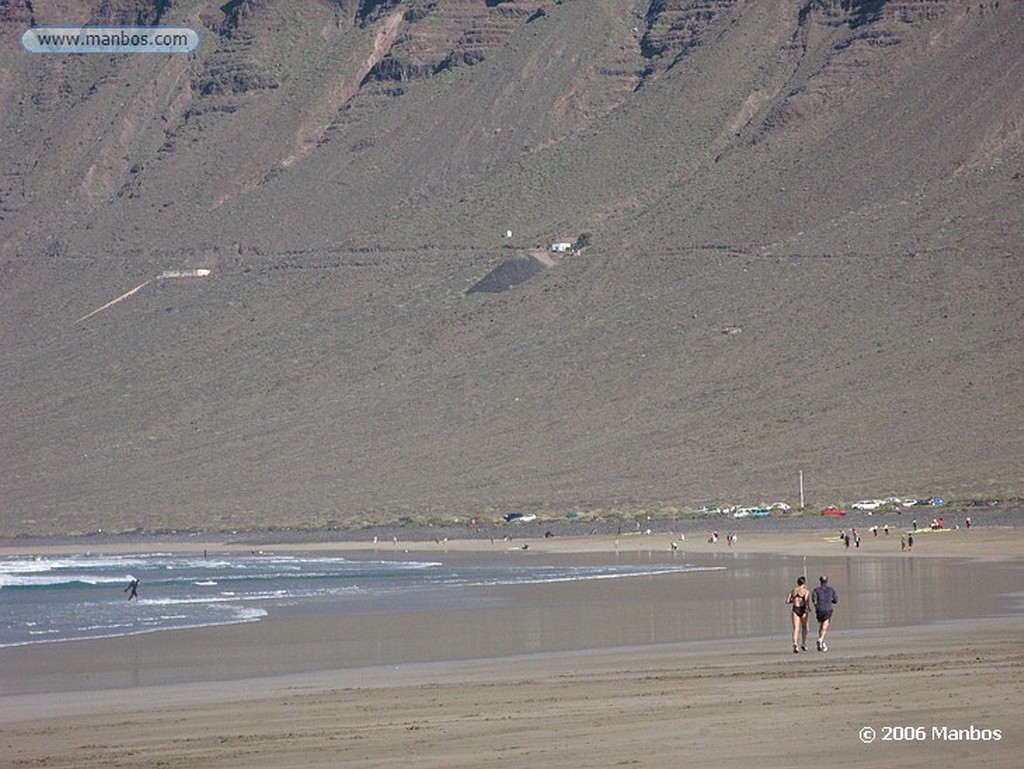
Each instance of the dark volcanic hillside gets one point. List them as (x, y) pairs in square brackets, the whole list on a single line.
[(805, 224)]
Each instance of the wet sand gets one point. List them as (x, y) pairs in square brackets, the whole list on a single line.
[(584, 675)]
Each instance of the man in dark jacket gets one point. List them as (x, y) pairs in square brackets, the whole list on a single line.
[(824, 598)]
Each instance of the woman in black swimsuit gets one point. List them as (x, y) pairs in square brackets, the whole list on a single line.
[(799, 598)]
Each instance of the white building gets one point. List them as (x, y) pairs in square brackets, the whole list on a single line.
[(200, 273), (561, 246)]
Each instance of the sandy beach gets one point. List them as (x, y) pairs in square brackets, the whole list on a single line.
[(630, 685)]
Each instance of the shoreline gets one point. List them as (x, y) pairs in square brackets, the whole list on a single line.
[(1009, 516), (988, 546), (998, 541), (855, 643), (248, 700)]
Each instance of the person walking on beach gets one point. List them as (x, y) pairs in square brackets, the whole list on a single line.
[(799, 598), (133, 590), (824, 598)]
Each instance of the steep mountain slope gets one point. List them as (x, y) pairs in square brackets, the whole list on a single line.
[(805, 219)]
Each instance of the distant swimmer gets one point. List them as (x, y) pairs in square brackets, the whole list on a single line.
[(133, 589)]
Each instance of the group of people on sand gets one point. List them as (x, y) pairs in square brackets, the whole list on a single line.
[(730, 538), (823, 599)]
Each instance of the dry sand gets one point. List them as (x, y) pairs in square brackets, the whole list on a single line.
[(741, 702)]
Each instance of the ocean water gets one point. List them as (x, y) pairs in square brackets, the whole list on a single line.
[(64, 598)]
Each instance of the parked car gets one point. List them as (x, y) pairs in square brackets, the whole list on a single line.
[(780, 506), (899, 502), (520, 517), (833, 511), (867, 505)]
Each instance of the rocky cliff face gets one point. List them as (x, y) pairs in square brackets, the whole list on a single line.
[(129, 12), (117, 12), (439, 36), (340, 79), (16, 12), (675, 26), (804, 218), (860, 34)]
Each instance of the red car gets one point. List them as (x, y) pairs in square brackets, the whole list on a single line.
[(833, 511)]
